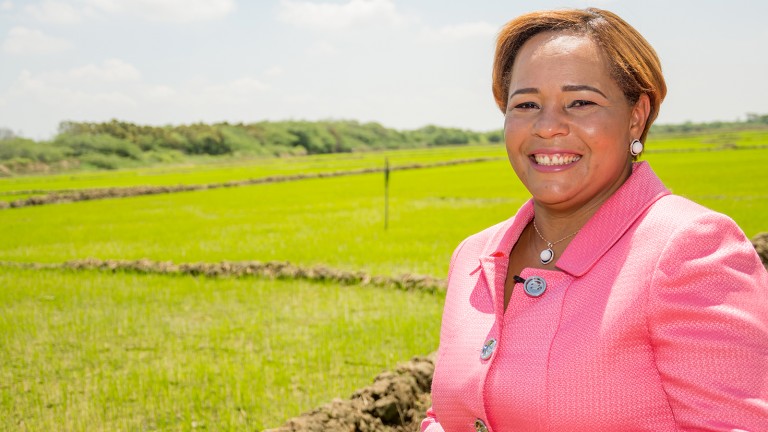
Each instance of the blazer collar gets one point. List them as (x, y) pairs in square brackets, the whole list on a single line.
[(596, 237), (612, 220), (494, 259)]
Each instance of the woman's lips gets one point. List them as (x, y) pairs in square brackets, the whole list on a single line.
[(555, 159)]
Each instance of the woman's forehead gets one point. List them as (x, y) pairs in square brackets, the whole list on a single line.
[(554, 44), (560, 59)]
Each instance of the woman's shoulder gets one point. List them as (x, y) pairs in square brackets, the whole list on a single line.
[(687, 232), (680, 204), (674, 212)]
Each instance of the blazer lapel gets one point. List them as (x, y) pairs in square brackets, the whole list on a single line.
[(494, 259), (612, 220)]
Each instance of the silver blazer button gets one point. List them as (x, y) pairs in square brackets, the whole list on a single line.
[(535, 286), (488, 348)]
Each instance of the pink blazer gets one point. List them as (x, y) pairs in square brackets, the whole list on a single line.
[(656, 319)]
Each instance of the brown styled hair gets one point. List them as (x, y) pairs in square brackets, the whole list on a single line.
[(633, 62)]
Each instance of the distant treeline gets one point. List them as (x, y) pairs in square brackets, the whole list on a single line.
[(752, 121), (117, 144)]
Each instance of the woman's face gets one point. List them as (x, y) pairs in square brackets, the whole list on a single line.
[(568, 124)]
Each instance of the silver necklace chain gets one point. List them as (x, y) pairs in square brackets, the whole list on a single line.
[(547, 255)]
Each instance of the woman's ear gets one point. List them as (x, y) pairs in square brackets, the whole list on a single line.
[(639, 116)]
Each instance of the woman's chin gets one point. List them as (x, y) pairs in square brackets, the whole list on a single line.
[(556, 196)]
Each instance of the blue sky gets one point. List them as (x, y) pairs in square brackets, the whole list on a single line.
[(404, 64)]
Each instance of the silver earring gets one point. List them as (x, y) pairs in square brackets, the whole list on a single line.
[(635, 147)]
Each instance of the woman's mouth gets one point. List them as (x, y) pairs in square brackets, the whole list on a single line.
[(556, 159)]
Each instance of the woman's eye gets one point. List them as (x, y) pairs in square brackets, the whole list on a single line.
[(580, 103), (526, 105)]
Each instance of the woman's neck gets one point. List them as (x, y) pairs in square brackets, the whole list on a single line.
[(553, 224)]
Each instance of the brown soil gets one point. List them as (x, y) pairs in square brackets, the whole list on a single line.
[(396, 402), (760, 242), (270, 269)]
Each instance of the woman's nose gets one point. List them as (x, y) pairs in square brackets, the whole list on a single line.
[(550, 122)]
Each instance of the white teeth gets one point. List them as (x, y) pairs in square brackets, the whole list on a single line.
[(556, 159)]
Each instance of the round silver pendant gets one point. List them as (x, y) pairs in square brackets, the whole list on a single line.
[(547, 255), (535, 286)]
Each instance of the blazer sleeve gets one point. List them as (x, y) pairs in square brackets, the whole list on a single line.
[(430, 423), (708, 323)]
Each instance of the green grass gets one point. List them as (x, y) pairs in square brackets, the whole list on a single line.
[(339, 221), (708, 141), (335, 221), (92, 351), (207, 171), (97, 351), (214, 170)]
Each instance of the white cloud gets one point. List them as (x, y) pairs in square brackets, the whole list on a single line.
[(60, 12), (6, 5), (464, 31), (167, 10), (274, 71), (322, 49), (160, 92), (54, 91), (245, 85), (110, 70), (27, 81), (111, 74), (593, 3), (334, 16), (21, 40), (54, 12), (241, 89), (114, 89), (111, 84)]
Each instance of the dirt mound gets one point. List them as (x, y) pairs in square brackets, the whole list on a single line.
[(760, 242), (395, 402), (269, 269)]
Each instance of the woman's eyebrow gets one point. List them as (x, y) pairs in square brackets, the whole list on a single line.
[(527, 90), (572, 88), (567, 88)]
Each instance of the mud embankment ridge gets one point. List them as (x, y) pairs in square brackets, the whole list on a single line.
[(395, 402)]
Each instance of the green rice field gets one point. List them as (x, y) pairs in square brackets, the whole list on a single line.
[(89, 350), (94, 351), (212, 171)]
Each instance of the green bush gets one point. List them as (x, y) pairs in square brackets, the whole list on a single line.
[(163, 156), (103, 161), (103, 144), (30, 150)]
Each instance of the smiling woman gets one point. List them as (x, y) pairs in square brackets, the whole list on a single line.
[(606, 302), (565, 118)]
